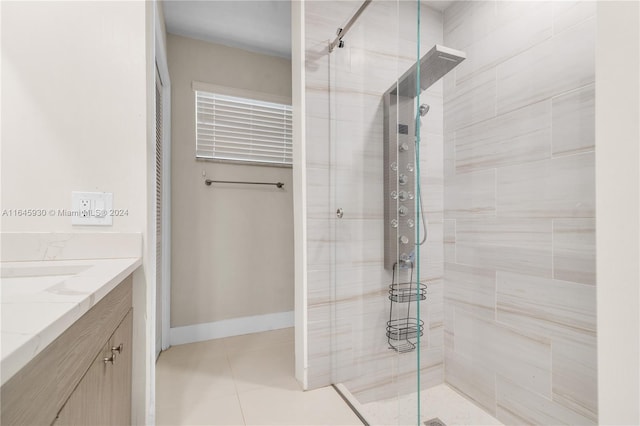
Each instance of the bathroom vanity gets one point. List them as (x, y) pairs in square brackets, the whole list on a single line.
[(82, 377), (67, 328)]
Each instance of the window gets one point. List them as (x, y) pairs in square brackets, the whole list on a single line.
[(241, 129)]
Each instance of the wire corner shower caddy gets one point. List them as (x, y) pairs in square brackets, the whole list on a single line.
[(402, 331)]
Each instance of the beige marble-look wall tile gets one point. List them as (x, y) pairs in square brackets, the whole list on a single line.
[(316, 62), (574, 250), (318, 292), (517, 405), (347, 100), (359, 70), (319, 357), (568, 13), (358, 192), (361, 109), (433, 201), (433, 121), (401, 21), (366, 317), (517, 137), (470, 101), (470, 195), (449, 154), (556, 332), (516, 31), (506, 11), (434, 303), (477, 383), (431, 26), (357, 280), (431, 375), (449, 319), (431, 177), (546, 301), (518, 245), (575, 378), (374, 381), (380, 385), (471, 288), (318, 147), (449, 82), (318, 194), (320, 234), (467, 21), (449, 240), (317, 102), (435, 337), (431, 253), (560, 187), (574, 121), (504, 351), (559, 64), (359, 241), (322, 15)]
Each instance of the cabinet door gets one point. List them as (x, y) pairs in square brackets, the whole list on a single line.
[(103, 396), (89, 403), (122, 340)]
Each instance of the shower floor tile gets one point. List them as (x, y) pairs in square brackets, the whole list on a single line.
[(440, 402), (242, 380)]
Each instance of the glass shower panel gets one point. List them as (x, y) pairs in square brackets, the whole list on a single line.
[(475, 171), (375, 323)]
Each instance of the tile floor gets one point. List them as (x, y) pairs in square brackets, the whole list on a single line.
[(249, 380), (241, 380)]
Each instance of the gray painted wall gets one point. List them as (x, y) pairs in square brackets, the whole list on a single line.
[(232, 253)]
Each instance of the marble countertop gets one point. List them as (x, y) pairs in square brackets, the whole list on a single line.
[(41, 299)]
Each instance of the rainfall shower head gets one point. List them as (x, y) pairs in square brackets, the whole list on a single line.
[(424, 109), (433, 66)]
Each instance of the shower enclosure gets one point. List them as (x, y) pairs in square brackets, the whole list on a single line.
[(450, 209)]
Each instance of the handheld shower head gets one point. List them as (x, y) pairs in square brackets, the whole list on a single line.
[(424, 109)]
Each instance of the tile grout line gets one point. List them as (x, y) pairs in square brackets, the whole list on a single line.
[(235, 385), (244, 419), (553, 269), (551, 368), (551, 128)]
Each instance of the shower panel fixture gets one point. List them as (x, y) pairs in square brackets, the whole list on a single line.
[(400, 160), (402, 195)]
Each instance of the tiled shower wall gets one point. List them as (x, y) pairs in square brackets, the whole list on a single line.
[(519, 210), (347, 283)]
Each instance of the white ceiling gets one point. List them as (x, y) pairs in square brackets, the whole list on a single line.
[(262, 26)]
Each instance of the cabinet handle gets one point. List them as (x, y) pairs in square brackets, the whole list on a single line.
[(110, 359), (118, 349)]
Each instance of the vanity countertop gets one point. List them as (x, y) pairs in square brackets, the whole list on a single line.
[(41, 299)]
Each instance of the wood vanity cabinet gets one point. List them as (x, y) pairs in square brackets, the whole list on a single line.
[(84, 376), (103, 396)]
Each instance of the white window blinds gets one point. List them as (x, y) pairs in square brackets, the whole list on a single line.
[(240, 129)]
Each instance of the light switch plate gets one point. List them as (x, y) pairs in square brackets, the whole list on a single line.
[(92, 208)]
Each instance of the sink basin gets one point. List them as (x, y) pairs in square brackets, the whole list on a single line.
[(32, 271), (39, 282)]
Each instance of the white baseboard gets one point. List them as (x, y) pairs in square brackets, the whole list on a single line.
[(230, 327)]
